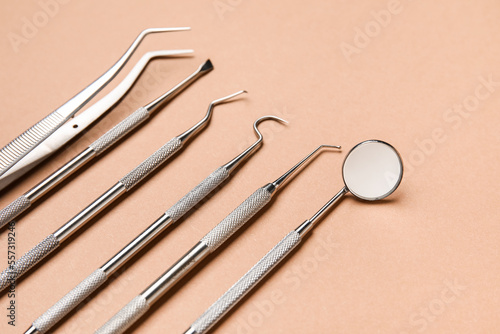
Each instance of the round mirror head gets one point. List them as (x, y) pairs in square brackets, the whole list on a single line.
[(372, 170)]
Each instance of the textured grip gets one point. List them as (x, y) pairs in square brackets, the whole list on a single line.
[(28, 260), (67, 303), (231, 297), (25, 142), (125, 317), (151, 163), (14, 209), (192, 198), (120, 130), (236, 219)]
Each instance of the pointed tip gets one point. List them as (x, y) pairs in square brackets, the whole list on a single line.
[(207, 66), (240, 92), (330, 146), (164, 29)]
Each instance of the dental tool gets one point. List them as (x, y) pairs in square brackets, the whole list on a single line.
[(129, 181), (11, 166), (208, 244), (107, 140), (372, 170), (90, 284)]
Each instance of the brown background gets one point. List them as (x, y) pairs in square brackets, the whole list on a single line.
[(387, 267)]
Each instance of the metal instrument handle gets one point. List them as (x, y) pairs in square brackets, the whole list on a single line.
[(150, 164), (24, 143), (125, 317), (67, 303), (28, 260), (196, 194), (79, 123), (236, 219), (171, 215), (14, 209), (100, 145), (120, 130), (245, 284)]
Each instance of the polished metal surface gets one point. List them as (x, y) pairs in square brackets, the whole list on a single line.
[(100, 145), (191, 330), (283, 179), (309, 224), (373, 160), (32, 330), (61, 174), (137, 244), (79, 123), (90, 211), (201, 124), (245, 284), (220, 233), (176, 272), (231, 165), (23, 144), (202, 70), (372, 170)]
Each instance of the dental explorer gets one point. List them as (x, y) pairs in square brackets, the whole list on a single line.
[(106, 141), (372, 170), (51, 242), (208, 244), (90, 284)]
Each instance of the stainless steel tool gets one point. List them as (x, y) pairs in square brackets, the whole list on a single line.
[(179, 209), (14, 159), (126, 183), (209, 243), (107, 140), (372, 170)]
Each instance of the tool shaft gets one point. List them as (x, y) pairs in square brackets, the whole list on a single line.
[(245, 284)]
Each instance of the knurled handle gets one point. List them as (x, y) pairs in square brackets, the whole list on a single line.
[(150, 164), (120, 130), (28, 260), (246, 283), (14, 209), (199, 192), (236, 219), (125, 317), (100, 145), (67, 303)]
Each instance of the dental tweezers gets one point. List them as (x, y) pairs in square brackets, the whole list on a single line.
[(107, 140), (179, 209), (208, 244), (126, 183), (18, 156)]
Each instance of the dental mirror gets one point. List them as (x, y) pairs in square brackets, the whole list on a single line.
[(372, 170)]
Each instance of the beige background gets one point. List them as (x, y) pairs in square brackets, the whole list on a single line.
[(367, 268)]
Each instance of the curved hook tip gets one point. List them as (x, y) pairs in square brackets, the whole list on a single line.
[(164, 29), (330, 146), (227, 98), (265, 118), (269, 117)]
